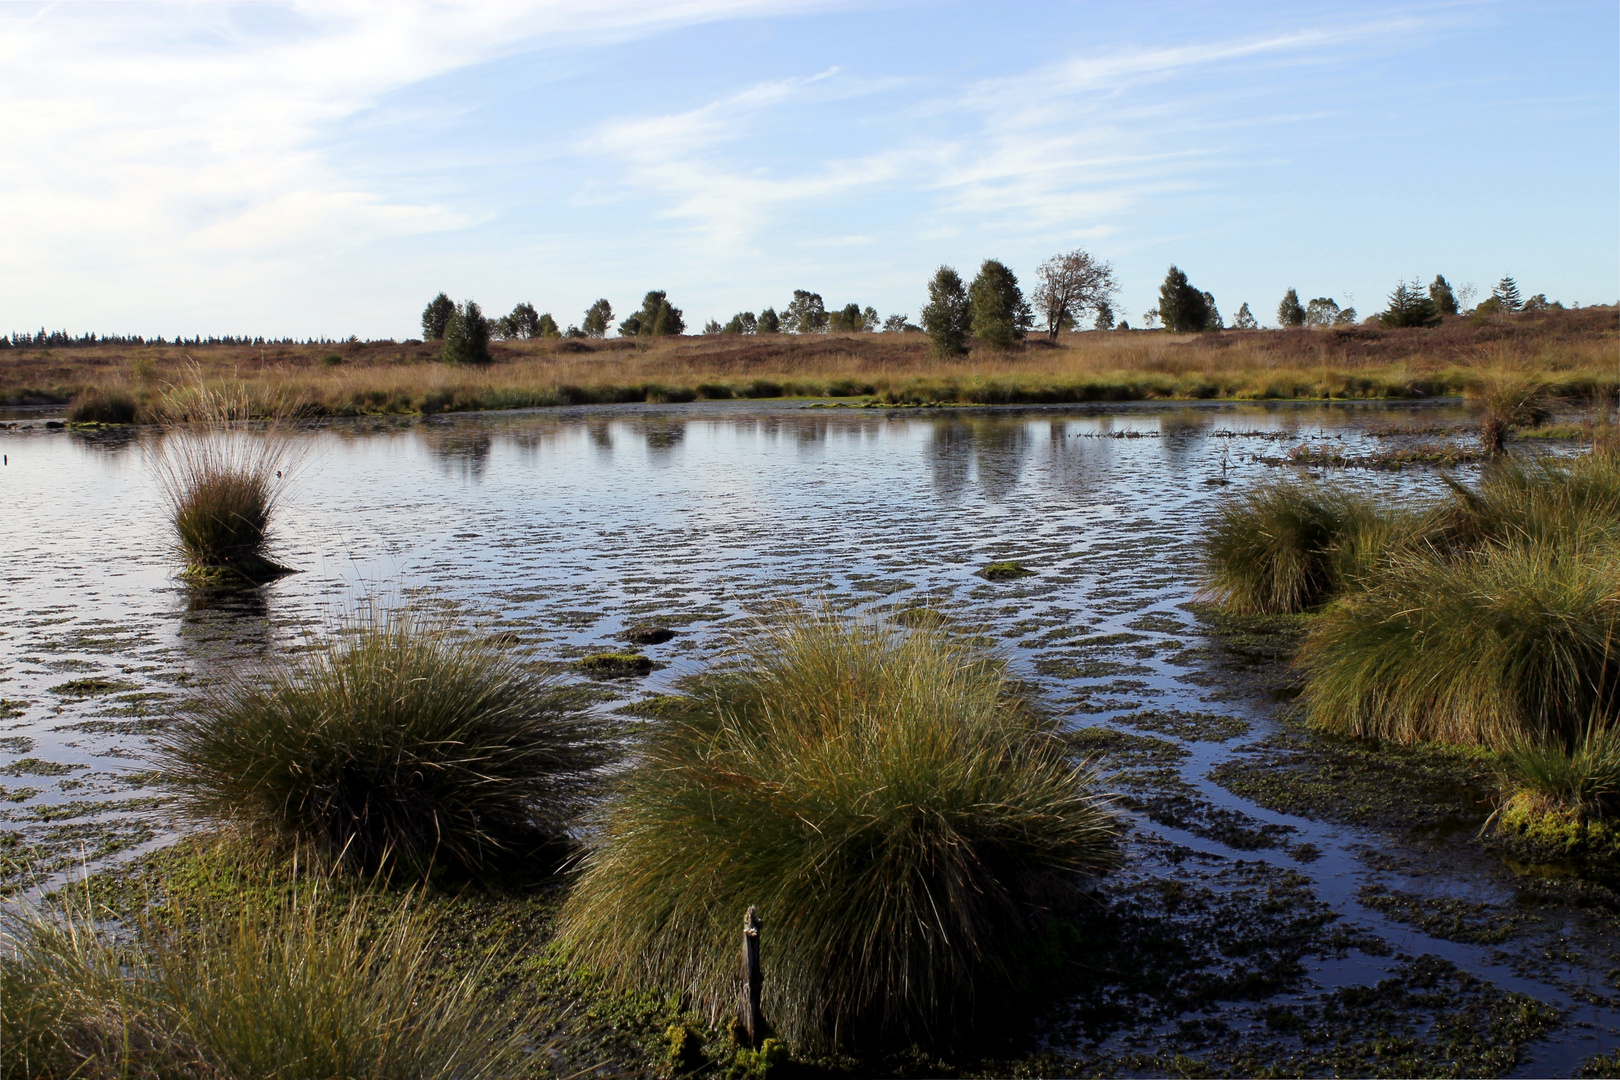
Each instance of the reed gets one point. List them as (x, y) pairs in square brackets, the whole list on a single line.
[(1289, 546), (1507, 643), (900, 813), (308, 985), (397, 743)]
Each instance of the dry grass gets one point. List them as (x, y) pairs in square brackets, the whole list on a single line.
[(1572, 352), (311, 984)]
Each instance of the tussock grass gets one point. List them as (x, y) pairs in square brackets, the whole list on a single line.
[(1509, 642), (1580, 775), (221, 487), (901, 814), (307, 985), (396, 743), (103, 406), (1510, 400), (1288, 546)]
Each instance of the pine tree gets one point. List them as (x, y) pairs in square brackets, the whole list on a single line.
[(1290, 312), (1105, 316), (945, 317), (1184, 309), (436, 316), (996, 305), (1507, 294), (1409, 305)]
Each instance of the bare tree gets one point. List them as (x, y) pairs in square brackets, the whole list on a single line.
[(1070, 285)]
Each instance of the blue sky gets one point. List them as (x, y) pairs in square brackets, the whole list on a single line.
[(324, 169)]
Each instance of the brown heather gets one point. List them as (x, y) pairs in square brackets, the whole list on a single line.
[(1572, 352)]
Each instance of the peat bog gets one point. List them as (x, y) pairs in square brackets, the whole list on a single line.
[(1285, 901)]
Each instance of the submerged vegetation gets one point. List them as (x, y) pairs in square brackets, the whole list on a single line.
[(398, 742), (901, 814)]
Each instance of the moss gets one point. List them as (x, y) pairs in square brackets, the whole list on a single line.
[(1538, 829), (615, 665), (922, 618), (1005, 571), (1447, 917), (79, 688), (1190, 726), (9, 709)]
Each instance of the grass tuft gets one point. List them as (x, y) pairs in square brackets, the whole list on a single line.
[(398, 741), (103, 407), (1508, 643), (901, 815), (1288, 546), (307, 986), (1510, 400)]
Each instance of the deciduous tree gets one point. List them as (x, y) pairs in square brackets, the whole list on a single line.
[(807, 314), (1244, 319), (466, 336), (946, 315), (436, 316), (1105, 317), (1321, 311), (1069, 285), (598, 317), (768, 323)]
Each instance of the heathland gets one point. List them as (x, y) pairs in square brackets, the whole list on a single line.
[(1574, 353)]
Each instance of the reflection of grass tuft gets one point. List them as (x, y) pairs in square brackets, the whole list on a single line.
[(897, 811)]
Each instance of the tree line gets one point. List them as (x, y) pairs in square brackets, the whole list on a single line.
[(61, 339)]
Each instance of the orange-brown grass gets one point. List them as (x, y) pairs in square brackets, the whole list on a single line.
[(1573, 352)]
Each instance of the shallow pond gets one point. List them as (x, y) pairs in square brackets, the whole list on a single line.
[(1252, 935)]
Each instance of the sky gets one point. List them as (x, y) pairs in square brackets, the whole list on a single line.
[(324, 169)]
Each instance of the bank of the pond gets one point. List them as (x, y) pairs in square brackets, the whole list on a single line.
[(1570, 351)]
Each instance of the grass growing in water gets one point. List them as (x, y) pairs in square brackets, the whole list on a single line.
[(221, 487), (397, 741), (1288, 546), (1507, 643), (301, 986), (899, 812)]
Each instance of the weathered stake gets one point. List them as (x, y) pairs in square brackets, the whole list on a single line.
[(753, 1021)]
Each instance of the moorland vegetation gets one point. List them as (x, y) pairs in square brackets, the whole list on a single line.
[(1488, 619)]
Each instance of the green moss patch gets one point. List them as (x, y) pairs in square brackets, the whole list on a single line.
[(80, 688), (1005, 571), (615, 665)]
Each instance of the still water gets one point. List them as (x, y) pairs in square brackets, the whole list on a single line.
[(565, 527)]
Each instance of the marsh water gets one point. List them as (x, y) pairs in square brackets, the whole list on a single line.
[(565, 527)]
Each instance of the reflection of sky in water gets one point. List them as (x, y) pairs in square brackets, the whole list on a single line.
[(567, 526)]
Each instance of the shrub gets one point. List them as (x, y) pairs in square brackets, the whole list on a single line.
[(397, 741), (221, 487), (1289, 546), (1510, 643), (305, 987), (900, 814), (102, 407)]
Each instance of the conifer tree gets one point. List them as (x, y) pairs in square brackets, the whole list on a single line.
[(1290, 312), (1507, 294), (768, 322), (1445, 301), (996, 305), (1184, 309), (466, 336)]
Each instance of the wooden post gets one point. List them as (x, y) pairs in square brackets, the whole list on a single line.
[(753, 1021)]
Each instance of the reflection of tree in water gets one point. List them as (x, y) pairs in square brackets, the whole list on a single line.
[(1182, 433), (662, 437), (812, 433), (994, 450), (460, 450), (1076, 465), (601, 433), (950, 457), (1000, 447)]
